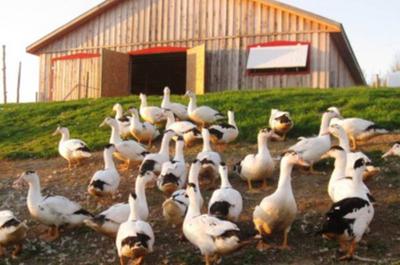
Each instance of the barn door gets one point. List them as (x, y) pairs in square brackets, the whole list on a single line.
[(114, 74), (195, 68)]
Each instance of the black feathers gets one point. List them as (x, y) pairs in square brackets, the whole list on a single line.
[(147, 165), (124, 119), (170, 178), (335, 221), (220, 209), (140, 240), (144, 153), (336, 147), (100, 219), (371, 198), (359, 163), (107, 146), (216, 133), (98, 184), (29, 172), (283, 119), (11, 222), (83, 148), (237, 168), (373, 127), (134, 196), (83, 212), (206, 161)]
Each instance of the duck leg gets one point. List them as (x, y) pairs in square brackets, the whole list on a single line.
[(122, 260), (208, 260), (251, 190), (264, 185), (2, 251), (17, 250), (139, 261), (350, 251), (285, 245)]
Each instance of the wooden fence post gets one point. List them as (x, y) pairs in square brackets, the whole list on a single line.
[(87, 84), (19, 80), (4, 75)]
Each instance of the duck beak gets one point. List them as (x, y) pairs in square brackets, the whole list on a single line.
[(18, 184), (55, 133), (388, 153), (102, 124), (303, 163)]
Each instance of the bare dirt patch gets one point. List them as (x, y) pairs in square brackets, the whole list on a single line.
[(84, 246)]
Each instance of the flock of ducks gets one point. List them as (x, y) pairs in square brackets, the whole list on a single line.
[(214, 233)]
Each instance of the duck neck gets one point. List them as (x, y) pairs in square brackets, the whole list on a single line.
[(132, 205), (340, 166), (194, 175), (344, 141), (206, 143), (118, 113), (192, 103), (179, 151), (231, 120), (170, 120), (135, 122), (166, 100), (285, 175), (164, 150), (262, 143), (225, 181), (323, 130), (115, 138), (64, 136), (34, 194), (358, 176), (140, 189), (143, 102), (194, 208), (108, 160)]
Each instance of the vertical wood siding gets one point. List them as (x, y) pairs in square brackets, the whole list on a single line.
[(138, 24)]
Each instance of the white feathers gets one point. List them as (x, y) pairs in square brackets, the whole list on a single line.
[(178, 109), (71, 149), (201, 115), (150, 114)]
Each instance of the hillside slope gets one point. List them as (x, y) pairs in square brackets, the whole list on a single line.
[(25, 129)]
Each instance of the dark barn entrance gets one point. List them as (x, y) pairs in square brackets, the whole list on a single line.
[(150, 73)]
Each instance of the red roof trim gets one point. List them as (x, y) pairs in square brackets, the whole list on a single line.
[(157, 50)]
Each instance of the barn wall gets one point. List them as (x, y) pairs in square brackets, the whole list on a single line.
[(340, 75), (226, 27)]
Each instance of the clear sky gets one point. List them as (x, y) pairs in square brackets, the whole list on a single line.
[(372, 27)]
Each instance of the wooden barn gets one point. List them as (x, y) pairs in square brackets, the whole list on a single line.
[(123, 47)]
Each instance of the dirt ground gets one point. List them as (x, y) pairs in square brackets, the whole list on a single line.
[(84, 246)]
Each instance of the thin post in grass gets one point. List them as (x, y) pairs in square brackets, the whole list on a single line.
[(4, 75), (19, 80)]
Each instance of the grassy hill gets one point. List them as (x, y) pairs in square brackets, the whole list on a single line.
[(25, 129)]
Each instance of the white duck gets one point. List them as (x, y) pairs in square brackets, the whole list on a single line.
[(12, 232), (53, 211), (225, 202), (280, 122), (260, 166), (394, 151), (73, 150), (357, 129), (105, 181), (343, 186), (153, 162), (142, 208), (214, 237), (173, 173), (311, 149), (209, 159), (175, 207), (128, 150), (187, 129), (135, 237), (150, 114), (224, 133), (178, 109), (143, 132), (108, 221), (337, 131), (347, 221), (123, 121), (202, 115), (277, 211)]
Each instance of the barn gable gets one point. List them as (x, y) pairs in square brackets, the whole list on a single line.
[(226, 27)]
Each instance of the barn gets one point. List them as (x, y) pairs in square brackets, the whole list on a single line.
[(123, 47)]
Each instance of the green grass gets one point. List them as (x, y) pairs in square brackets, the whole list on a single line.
[(25, 129)]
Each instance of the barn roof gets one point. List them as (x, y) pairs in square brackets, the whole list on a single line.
[(338, 32)]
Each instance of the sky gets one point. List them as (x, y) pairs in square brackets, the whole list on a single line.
[(372, 27)]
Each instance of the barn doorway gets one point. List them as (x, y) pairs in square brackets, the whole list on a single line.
[(154, 69)]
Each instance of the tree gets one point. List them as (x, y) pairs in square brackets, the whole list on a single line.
[(396, 63)]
